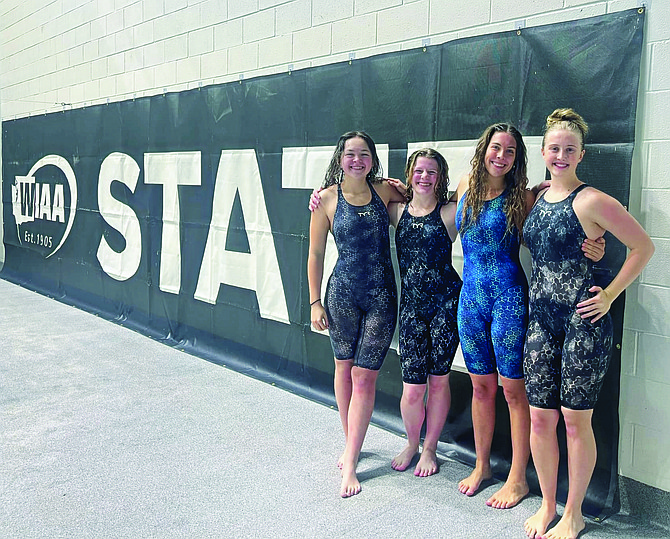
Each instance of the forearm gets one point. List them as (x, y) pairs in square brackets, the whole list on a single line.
[(635, 262), (314, 276)]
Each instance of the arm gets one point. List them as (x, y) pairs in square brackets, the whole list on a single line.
[(448, 214), (395, 210), (391, 190), (399, 186), (608, 214), (318, 233)]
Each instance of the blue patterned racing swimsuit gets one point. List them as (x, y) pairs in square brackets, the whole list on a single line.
[(429, 297), (361, 298), (566, 357), (492, 312)]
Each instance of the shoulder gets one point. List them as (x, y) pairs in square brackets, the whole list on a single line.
[(590, 197)]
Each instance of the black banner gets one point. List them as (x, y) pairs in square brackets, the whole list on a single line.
[(184, 215)]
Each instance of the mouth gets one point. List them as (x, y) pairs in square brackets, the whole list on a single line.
[(498, 166)]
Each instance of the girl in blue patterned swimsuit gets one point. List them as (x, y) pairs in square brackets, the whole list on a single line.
[(360, 305), (492, 313), (570, 333), (428, 335)]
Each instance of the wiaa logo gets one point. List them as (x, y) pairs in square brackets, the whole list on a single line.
[(44, 203)]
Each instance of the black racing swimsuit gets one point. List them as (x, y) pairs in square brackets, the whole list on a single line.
[(361, 298), (429, 296)]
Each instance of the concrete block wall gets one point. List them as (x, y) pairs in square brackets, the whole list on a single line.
[(61, 54)]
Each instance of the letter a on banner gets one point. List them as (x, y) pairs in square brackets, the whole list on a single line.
[(257, 270)]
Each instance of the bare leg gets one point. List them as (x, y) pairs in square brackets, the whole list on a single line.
[(484, 388), (581, 462), (361, 406), (516, 486), (413, 412), (343, 394), (544, 447), (437, 408)]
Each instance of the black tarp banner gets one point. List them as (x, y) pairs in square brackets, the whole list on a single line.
[(183, 215)]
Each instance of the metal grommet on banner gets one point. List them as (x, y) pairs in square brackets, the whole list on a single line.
[(519, 25), (425, 43), (352, 57), (640, 10)]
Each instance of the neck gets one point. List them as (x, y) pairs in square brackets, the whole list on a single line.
[(495, 184), (423, 201), (563, 184), (353, 185)]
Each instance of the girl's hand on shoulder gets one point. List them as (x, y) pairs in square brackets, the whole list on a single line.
[(594, 249), (315, 199), (595, 307), (318, 316), (398, 185)]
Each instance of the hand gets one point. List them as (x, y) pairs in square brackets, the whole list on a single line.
[(597, 306), (315, 199), (318, 316), (399, 186), (594, 249)]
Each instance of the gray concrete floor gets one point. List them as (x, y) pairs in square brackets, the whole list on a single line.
[(106, 433)]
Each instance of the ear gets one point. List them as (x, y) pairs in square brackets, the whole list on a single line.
[(581, 156)]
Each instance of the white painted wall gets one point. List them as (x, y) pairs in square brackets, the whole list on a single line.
[(61, 54)]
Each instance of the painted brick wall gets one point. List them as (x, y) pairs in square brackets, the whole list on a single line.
[(63, 54)]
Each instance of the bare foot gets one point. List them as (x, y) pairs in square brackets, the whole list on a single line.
[(402, 460), (569, 527), (508, 496), (536, 525), (340, 461), (470, 484), (350, 485), (427, 464)]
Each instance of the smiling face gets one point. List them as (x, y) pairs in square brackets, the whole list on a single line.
[(562, 152), (356, 160), (500, 154), (425, 175)]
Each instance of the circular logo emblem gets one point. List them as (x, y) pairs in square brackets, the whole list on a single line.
[(44, 204)]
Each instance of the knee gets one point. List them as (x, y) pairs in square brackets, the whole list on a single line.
[(363, 379), (577, 423), (516, 396), (543, 422), (484, 392), (413, 394)]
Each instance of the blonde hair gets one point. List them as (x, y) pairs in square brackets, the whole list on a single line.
[(566, 119), (516, 181)]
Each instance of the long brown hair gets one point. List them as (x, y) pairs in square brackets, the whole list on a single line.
[(516, 180), (442, 184), (335, 174)]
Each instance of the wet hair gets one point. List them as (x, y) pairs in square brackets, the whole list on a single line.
[(334, 172), (566, 119), (442, 184), (516, 180)]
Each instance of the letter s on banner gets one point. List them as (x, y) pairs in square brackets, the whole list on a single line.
[(120, 266)]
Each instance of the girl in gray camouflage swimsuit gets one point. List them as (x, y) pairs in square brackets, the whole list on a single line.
[(569, 334)]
